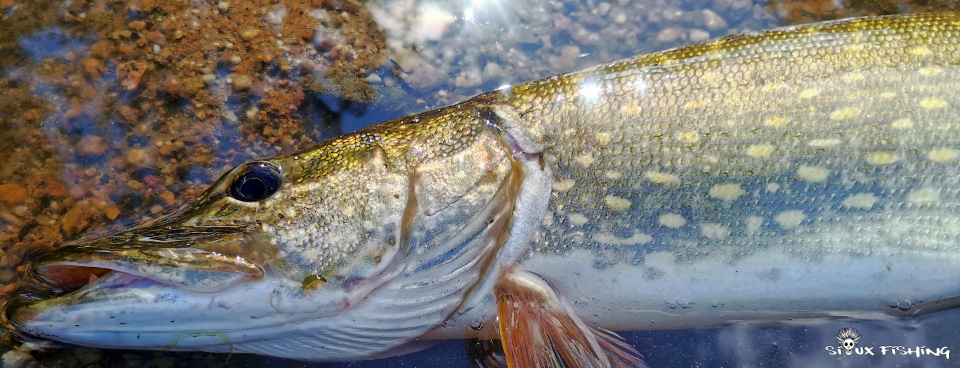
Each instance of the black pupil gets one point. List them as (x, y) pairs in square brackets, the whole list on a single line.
[(259, 182)]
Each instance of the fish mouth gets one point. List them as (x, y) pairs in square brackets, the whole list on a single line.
[(139, 259)]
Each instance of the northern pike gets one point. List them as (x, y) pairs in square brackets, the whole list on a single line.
[(802, 172)]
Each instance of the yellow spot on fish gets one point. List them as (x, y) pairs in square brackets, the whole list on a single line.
[(662, 178), (760, 150), (564, 185), (603, 138), (887, 95), (616, 203), (714, 231), (612, 175), (688, 137), (881, 158), (585, 160), (862, 201), (920, 50), (852, 77), (693, 104), (933, 103), (637, 238), (671, 220), (903, 123), (824, 143), (844, 113), (790, 219), (775, 121), (577, 219), (930, 71), (772, 187), (942, 154), (711, 77), (923, 196), (726, 192), (853, 48), (808, 93), (813, 174)]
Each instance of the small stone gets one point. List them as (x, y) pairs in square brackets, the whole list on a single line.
[(241, 82), (112, 211), (168, 198), (567, 59), (92, 146), (373, 78), (620, 18), (249, 34), (137, 25), (668, 35), (713, 21), (12, 194), (137, 157), (603, 8), (18, 359), (74, 221), (127, 114), (492, 71), (223, 6), (209, 78), (468, 78), (699, 35)]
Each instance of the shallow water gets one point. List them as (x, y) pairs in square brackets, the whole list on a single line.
[(116, 111)]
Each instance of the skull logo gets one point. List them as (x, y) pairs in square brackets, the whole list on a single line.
[(848, 338)]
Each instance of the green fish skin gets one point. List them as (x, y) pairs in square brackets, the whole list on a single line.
[(805, 172)]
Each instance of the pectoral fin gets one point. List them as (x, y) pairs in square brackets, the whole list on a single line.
[(539, 329)]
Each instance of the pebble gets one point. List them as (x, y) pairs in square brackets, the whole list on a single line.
[(373, 78), (603, 8), (470, 77), (699, 35), (567, 59), (241, 82), (668, 35), (17, 359), (713, 21), (12, 194), (250, 33), (137, 157), (492, 71), (92, 145), (620, 18)]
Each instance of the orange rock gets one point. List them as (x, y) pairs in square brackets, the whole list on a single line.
[(56, 189), (74, 221), (92, 145), (12, 194), (112, 211)]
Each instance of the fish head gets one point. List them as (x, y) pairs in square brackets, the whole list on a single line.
[(343, 252)]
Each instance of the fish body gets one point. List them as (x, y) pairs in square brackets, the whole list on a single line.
[(804, 172)]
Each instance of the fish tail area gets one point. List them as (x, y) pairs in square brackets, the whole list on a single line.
[(538, 329)]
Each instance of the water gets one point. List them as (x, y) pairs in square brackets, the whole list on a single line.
[(116, 111)]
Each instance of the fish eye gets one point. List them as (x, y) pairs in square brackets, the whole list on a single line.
[(256, 182)]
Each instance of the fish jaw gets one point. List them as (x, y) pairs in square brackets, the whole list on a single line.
[(125, 311)]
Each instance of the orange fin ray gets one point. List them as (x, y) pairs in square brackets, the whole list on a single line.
[(539, 330)]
